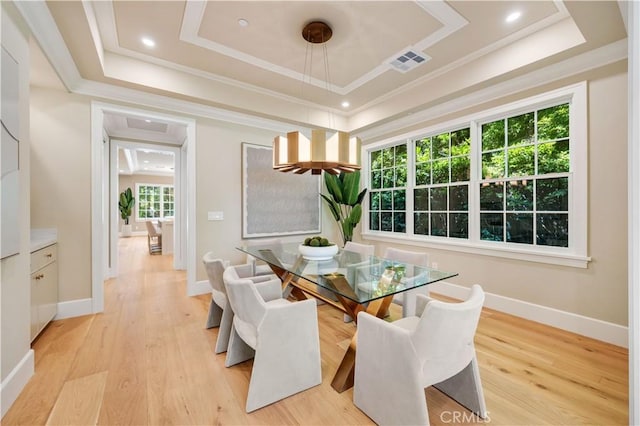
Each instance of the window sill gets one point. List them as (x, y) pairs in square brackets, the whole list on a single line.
[(487, 249)]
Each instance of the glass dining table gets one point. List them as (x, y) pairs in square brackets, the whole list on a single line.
[(347, 281)]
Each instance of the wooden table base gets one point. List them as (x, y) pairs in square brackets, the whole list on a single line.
[(343, 379)]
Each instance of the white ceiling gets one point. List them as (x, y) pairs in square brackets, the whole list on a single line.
[(145, 156), (266, 70), (145, 161)]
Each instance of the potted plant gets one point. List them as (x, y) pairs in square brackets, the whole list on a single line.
[(345, 201), (125, 204)]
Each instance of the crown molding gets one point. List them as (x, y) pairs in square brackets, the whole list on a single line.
[(581, 63), (121, 94), (44, 29)]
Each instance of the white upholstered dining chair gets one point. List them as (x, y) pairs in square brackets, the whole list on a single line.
[(408, 298), (220, 313), (396, 361), (261, 268), (280, 335), (365, 251)]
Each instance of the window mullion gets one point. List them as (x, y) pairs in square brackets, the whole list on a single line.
[(474, 182), (410, 185)]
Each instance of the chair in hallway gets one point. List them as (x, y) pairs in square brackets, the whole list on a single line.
[(408, 298), (220, 313), (280, 335), (154, 238), (434, 348)]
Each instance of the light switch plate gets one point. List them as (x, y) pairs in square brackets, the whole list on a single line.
[(215, 216)]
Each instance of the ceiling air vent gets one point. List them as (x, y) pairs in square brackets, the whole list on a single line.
[(408, 60)]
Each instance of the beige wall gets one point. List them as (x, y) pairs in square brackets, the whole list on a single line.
[(61, 183), (219, 188), (130, 181), (600, 291), (15, 282)]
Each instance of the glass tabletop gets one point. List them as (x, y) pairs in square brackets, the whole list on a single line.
[(349, 274)]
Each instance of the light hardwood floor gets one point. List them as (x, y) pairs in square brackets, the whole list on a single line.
[(149, 360)]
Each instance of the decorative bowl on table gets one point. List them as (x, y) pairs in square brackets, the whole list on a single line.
[(317, 248)]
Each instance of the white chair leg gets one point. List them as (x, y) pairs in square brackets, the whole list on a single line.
[(466, 388), (238, 351), (215, 315), (224, 333)]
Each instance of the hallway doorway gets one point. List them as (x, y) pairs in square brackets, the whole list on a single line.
[(114, 127)]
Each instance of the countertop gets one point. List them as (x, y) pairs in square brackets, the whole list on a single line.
[(43, 237)]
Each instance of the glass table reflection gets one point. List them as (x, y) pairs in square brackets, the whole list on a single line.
[(348, 281)]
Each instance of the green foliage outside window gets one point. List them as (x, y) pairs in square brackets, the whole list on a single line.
[(441, 195), (387, 198), (155, 201), (523, 187), (517, 203)]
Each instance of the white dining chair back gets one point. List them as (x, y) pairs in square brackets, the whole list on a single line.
[(280, 335), (220, 312), (408, 298), (435, 348), (364, 252), (259, 267)]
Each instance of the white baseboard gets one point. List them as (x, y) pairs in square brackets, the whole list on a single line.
[(199, 287), (74, 308), (16, 381), (579, 324)]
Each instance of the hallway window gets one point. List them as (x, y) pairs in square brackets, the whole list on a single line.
[(154, 201)]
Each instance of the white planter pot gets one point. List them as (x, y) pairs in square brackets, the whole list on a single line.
[(126, 230), (318, 253)]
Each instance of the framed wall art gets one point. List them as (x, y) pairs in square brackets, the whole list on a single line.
[(276, 203)]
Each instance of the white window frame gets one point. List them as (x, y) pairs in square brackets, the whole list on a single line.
[(575, 255), (137, 204)]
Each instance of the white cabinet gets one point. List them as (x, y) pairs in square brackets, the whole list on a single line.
[(44, 287)]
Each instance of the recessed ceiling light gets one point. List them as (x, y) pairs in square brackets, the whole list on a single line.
[(513, 17), (243, 22), (345, 104), (147, 121), (148, 42), (146, 161)]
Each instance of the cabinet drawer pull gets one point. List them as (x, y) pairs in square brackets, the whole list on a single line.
[(49, 254), (39, 276)]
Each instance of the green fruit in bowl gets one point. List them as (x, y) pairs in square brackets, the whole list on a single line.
[(317, 241)]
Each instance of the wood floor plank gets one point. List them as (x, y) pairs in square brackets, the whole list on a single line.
[(159, 367), (79, 401)]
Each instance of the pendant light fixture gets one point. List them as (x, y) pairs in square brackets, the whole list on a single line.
[(331, 151)]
